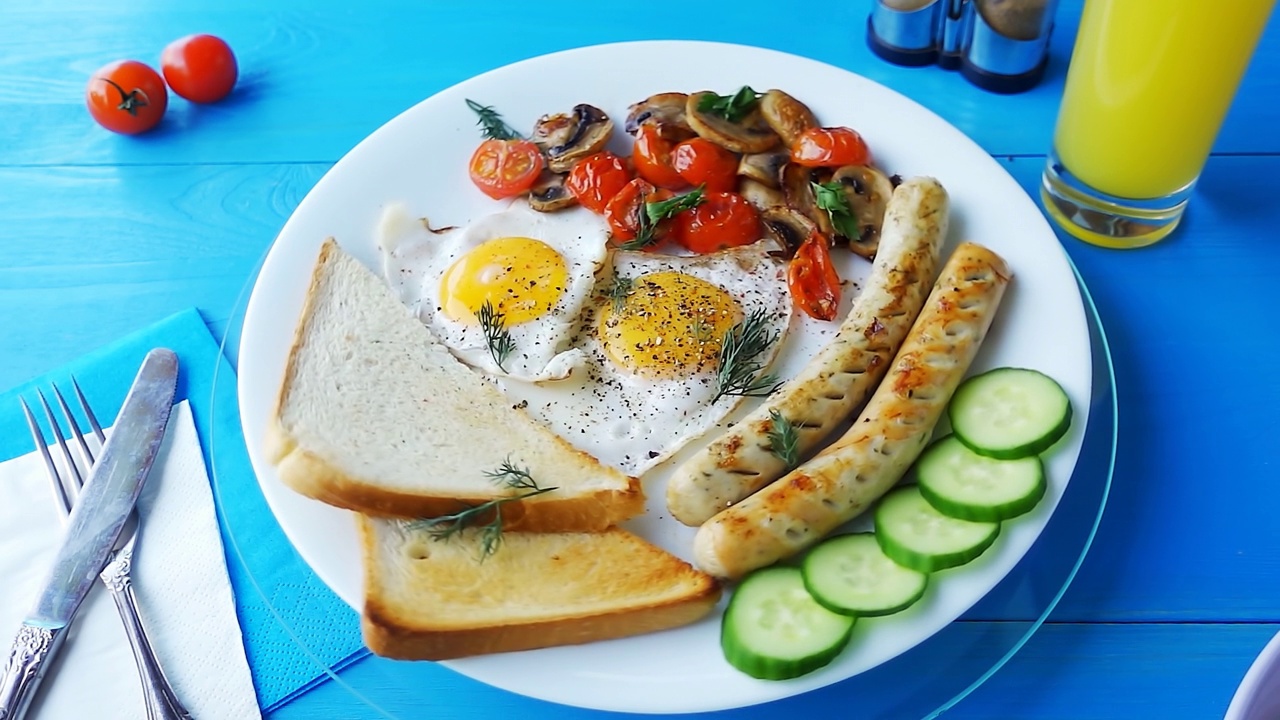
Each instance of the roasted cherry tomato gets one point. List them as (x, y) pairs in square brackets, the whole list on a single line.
[(814, 284), (623, 211), (702, 162), (596, 179), (127, 97), (652, 158), (200, 68), (505, 168), (723, 220), (830, 147)]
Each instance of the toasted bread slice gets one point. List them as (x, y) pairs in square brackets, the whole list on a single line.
[(435, 599), (376, 415)]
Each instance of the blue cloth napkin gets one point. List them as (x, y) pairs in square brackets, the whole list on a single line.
[(293, 625)]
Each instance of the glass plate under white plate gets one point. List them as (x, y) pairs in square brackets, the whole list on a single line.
[(1045, 322)]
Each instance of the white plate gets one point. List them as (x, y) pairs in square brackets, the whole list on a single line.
[(420, 158), (1258, 696)]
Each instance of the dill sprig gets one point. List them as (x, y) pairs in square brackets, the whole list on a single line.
[(494, 326), (700, 330), (492, 126), (830, 197), (783, 440), (619, 291), (447, 526), (740, 371), (730, 107), (653, 213)]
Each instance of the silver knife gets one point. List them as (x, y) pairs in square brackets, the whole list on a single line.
[(92, 529)]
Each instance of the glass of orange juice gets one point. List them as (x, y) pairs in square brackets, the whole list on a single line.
[(1149, 84)]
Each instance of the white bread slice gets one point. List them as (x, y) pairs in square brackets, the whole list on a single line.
[(430, 599), (376, 415)]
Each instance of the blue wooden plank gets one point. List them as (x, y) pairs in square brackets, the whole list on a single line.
[(318, 77)]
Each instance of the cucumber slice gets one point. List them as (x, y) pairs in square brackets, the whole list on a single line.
[(850, 574), (917, 536), (1009, 413), (775, 630), (963, 484)]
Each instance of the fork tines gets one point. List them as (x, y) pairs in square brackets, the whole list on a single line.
[(68, 485)]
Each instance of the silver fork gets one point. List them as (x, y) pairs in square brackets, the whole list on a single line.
[(161, 702)]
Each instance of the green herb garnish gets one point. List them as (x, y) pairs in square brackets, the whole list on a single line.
[(830, 197), (700, 329), (783, 440), (491, 123), (494, 326), (740, 371), (653, 213), (730, 107), (618, 292), (446, 526)]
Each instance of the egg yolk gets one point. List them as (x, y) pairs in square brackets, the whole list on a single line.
[(668, 324), (523, 278)]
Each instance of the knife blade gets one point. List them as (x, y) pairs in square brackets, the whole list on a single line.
[(95, 524)]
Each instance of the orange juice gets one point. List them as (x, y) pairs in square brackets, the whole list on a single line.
[(1149, 84)]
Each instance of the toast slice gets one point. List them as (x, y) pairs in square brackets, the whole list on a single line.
[(430, 599), (375, 415)]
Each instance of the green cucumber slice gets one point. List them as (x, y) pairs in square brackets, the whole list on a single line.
[(1009, 413), (850, 574), (775, 630), (917, 536), (963, 484)]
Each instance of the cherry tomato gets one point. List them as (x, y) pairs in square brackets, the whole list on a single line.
[(723, 220), (814, 284), (830, 147), (702, 162), (505, 168), (652, 158), (596, 179), (200, 68), (623, 211), (127, 97)]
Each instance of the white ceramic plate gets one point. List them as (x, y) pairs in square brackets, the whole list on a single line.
[(1258, 696), (420, 158)]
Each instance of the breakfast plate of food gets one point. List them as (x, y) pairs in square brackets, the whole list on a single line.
[(738, 377)]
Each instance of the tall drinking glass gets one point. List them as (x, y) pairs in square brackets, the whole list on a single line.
[(1149, 84)]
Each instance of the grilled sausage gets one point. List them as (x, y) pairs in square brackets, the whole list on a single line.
[(844, 479), (839, 378)]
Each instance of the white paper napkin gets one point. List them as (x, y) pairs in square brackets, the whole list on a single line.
[(180, 578)]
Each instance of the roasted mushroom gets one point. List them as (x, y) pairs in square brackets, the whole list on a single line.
[(786, 115), (787, 226), (760, 195), (867, 192), (749, 134), (565, 138), (549, 193), (797, 185), (763, 167), (665, 112)]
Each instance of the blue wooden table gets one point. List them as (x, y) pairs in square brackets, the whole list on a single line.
[(101, 235)]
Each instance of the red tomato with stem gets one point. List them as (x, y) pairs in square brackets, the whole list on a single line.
[(624, 210), (830, 147), (722, 221), (505, 168), (127, 97), (702, 162), (596, 179), (652, 158), (200, 68), (812, 279)]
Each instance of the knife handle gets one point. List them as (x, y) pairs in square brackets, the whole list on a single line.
[(33, 649)]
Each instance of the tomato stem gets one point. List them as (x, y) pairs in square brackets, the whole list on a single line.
[(129, 101)]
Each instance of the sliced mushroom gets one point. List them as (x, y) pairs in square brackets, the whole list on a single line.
[(787, 226), (867, 191), (751, 134), (566, 138), (797, 186), (760, 195), (786, 115), (763, 167), (665, 112), (549, 193)]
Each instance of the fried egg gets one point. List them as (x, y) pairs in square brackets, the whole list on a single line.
[(651, 338), (504, 293)]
